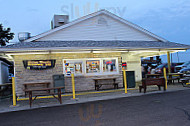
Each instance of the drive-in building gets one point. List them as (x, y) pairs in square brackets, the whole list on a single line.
[(93, 46)]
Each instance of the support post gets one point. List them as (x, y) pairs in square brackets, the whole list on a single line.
[(125, 81), (165, 77), (169, 63), (13, 91), (73, 84)]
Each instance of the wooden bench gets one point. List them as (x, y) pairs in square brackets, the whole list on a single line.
[(152, 81), (105, 81), (48, 92), (35, 84)]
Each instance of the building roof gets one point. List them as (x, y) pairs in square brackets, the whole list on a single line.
[(103, 11), (53, 45)]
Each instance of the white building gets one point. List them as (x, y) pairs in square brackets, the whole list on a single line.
[(92, 46)]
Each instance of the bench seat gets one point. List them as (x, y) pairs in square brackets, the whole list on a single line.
[(99, 82)]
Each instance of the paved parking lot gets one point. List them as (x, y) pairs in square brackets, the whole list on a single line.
[(158, 109), (81, 98)]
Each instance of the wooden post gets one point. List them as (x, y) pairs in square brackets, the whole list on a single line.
[(125, 81), (73, 84), (13, 91), (165, 76), (169, 63)]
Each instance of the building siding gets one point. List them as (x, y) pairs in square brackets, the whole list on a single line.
[(133, 64), (83, 83), (91, 30)]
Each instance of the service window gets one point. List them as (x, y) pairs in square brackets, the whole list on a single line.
[(92, 66), (109, 65), (72, 66)]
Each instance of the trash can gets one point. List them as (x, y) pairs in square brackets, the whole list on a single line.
[(130, 77), (59, 81)]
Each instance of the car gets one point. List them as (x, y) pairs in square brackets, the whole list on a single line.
[(185, 70), (159, 69), (179, 67)]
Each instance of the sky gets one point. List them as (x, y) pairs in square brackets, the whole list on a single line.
[(166, 18)]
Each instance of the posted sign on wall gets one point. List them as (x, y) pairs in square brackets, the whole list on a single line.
[(38, 64)]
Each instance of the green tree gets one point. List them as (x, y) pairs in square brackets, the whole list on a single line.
[(5, 35)]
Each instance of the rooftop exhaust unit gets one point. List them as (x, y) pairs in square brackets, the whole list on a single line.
[(59, 20), (22, 36)]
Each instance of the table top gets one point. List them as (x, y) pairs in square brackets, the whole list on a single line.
[(175, 74), (154, 75), (104, 78), (44, 89), (33, 83), (7, 84)]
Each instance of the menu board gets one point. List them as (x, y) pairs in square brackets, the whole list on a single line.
[(38, 64)]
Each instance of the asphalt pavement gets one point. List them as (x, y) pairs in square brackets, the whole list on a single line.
[(163, 109)]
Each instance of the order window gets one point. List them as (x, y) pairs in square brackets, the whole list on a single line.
[(109, 65), (73, 67), (92, 66)]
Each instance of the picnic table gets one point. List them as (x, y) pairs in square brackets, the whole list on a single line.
[(105, 81), (35, 84), (48, 92), (174, 76)]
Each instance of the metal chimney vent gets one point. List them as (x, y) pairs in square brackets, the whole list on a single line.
[(59, 20)]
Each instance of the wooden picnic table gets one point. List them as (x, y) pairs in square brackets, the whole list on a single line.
[(38, 84), (174, 76), (48, 92), (105, 81)]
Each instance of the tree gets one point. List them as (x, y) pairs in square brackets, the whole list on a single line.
[(5, 35)]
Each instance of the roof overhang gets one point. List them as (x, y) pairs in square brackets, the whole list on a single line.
[(25, 51)]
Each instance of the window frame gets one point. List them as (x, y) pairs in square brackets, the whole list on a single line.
[(73, 60), (116, 65), (84, 60)]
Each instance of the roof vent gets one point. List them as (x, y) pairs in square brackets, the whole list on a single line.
[(102, 21), (59, 20), (22, 36)]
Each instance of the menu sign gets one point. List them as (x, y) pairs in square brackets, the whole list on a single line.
[(38, 64)]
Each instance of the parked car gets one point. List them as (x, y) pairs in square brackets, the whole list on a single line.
[(159, 69), (185, 70), (179, 67)]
